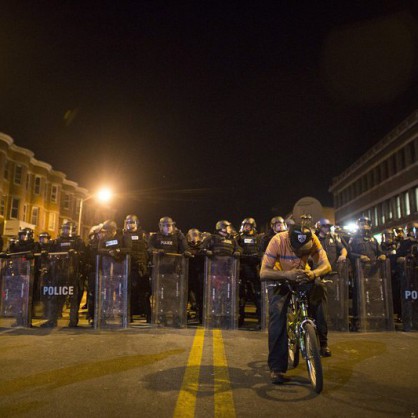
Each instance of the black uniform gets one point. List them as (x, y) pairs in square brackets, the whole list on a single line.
[(70, 244), (250, 285), (333, 247), (136, 245), (264, 240), (174, 243), (196, 277), (222, 245)]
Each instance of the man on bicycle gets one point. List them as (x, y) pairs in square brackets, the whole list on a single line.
[(286, 259)]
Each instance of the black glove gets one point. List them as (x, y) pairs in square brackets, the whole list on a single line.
[(3, 255), (236, 254)]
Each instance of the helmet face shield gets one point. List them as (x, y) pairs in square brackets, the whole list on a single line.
[(194, 236), (131, 223)]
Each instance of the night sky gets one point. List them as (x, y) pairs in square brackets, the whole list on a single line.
[(203, 110)]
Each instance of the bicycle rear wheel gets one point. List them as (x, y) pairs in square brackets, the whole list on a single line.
[(313, 358), (292, 340)]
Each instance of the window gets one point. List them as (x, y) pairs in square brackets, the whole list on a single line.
[(27, 182), (383, 170), (383, 213), (37, 185), (6, 170), (25, 211), (66, 203), (52, 221), (14, 209), (18, 174), (410, 153), (389, 209), (400, 159), (35, 216), (2, 205), (416, 197), (398, 207), (406, 201), (54, 193)]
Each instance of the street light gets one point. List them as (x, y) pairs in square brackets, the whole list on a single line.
[(103, 195)]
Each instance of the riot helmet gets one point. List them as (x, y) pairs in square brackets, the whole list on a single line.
[(324, 226), (44, 237), (364, 225), (248, 225), (223, 227), (412, 230), (399, 233), (387, 236), (278, 224), (300, 237), (108, 229), (131, 223), (25, 235), (94, 231), (194, 236), (68, 229), (166, 225)]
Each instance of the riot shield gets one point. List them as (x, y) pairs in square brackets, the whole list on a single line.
[(267, 288), (112, 302), (337, 290), (221, 292), (409, 293), (169, 290), (17, 274), (60, 286), (373, 293)]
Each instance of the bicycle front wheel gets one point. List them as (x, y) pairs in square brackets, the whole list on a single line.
[(313, 358)]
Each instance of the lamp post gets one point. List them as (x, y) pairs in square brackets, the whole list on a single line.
[(103, 195)]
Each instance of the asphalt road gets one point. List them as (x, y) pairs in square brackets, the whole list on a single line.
[(156, 372)]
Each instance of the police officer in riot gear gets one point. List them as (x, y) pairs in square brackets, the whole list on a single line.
[(45, 241), (222, 242), (388, 244), (277, 224), (336, 253), (408, 245), (90, 270), (169, 239), (363, 245), (134, 240), (68, 241), (24, 243), (331, 243), (250, 286), (196, 271)]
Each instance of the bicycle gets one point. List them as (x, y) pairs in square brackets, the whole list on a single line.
[(302, 334)]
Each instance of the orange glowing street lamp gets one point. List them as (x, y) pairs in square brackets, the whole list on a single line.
[(103, 195)]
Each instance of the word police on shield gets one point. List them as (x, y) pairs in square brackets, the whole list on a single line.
[(58, 290)]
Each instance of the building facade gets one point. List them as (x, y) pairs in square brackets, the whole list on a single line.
[(383, 183), (34, 195)]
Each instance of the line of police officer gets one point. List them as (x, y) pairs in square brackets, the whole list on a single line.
[(248, 245)]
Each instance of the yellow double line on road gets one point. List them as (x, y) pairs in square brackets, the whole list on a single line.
[(223, 399)]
